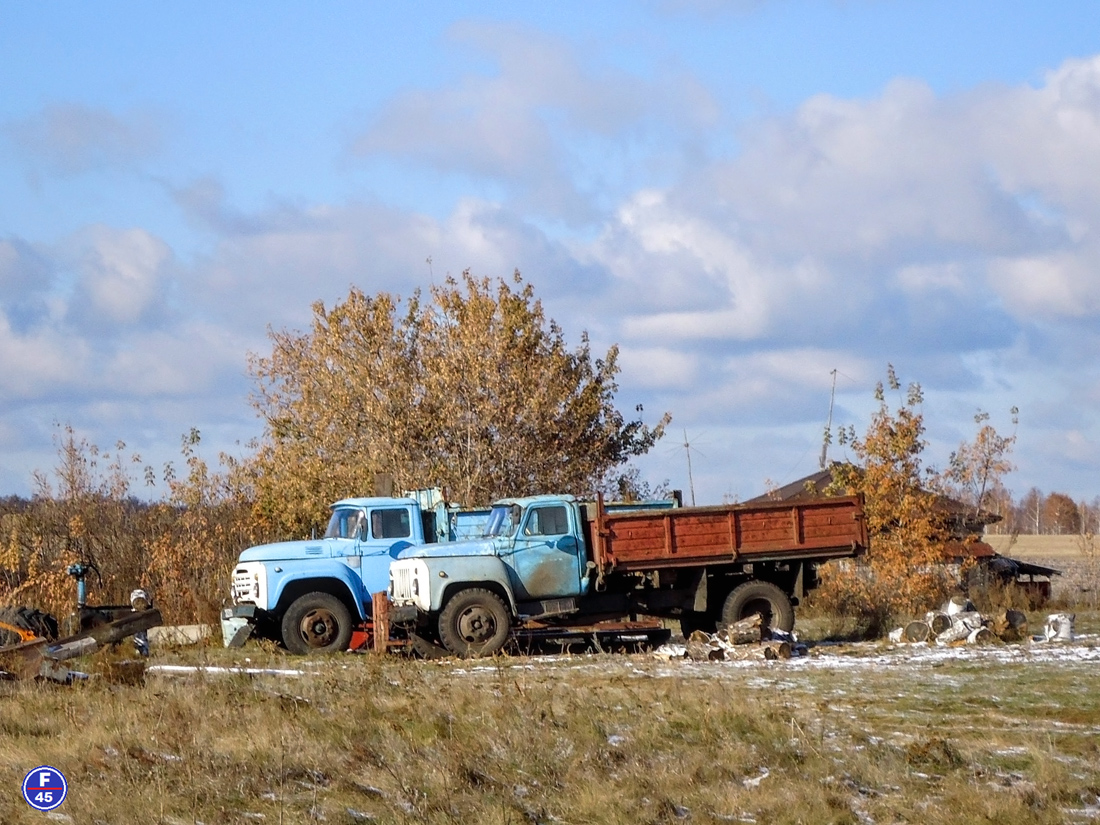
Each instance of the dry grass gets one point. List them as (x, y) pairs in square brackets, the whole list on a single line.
[(630, 739), (1067, 548)]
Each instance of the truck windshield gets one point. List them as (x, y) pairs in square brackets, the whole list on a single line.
[(345, 524), (503, 520)]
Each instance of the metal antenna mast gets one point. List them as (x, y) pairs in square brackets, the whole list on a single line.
[(691, 481), (828, 426)]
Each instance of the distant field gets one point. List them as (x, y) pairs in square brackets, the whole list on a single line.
[(1039, 547)]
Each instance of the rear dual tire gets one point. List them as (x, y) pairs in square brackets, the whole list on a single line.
[(773, 605)]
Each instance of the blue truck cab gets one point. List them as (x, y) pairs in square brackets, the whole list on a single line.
[(532, 544), (531, 562), (310, 594)]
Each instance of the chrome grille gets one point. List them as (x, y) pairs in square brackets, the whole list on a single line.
[(243, 585), (403, 578)]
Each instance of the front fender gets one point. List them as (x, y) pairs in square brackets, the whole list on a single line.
[(292, 573), (466, 571)]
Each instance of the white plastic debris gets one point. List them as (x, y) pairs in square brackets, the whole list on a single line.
[(957, 604), (963, 626), (1059, 627)]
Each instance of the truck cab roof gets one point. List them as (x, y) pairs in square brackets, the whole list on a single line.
[(527, 501), (372, 502)]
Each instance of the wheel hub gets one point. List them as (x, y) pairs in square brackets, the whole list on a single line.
[(318, 628), (476, 624)]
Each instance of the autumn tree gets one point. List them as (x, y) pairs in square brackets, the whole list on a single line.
[(1060, 515), (975, 470), (470, 387), (181, 548), (902, 572)]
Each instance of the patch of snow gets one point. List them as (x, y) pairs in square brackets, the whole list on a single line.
[(249, 671), (754, 782)]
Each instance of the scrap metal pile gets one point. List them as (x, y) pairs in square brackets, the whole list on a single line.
[(29, 643), (40, 658)]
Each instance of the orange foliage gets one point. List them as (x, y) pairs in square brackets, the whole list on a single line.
[(902, 574), (181, 550)]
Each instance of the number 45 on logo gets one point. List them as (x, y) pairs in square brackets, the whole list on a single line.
[(45, 788)]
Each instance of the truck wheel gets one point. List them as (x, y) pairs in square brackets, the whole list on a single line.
[(475, 622), (317, 623), (765, 598)]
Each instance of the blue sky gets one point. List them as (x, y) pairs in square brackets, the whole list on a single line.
[(744, 196)]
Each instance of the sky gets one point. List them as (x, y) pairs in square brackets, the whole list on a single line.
[(743, 195)]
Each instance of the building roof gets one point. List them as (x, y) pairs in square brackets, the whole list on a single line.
[(965, 520)]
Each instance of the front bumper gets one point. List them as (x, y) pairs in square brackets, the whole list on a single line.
[(238, 622), (405, 614)]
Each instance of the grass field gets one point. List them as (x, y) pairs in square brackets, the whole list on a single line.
[(1068, 548), (851, 734)]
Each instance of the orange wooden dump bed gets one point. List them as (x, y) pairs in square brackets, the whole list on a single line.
[(820, 529)]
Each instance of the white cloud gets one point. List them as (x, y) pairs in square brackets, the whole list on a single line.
[(73, 138), (542, 125), (923, 221), (1061, 284), (918, 278), (39, 364), (1045, 140), (121, 275), (658, 368)]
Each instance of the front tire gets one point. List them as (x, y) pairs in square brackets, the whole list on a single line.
[(475, 622), (775, 609), (317, 623)]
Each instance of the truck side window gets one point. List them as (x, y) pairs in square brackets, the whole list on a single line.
[(390, 524), (547, 521)]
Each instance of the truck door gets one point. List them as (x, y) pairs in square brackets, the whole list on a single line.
[(547, 553), (387, 533)]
